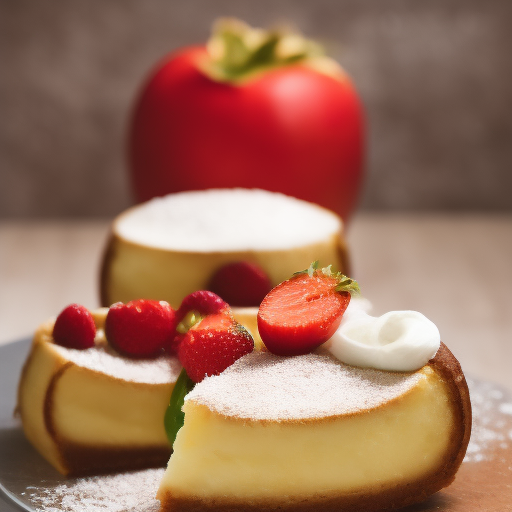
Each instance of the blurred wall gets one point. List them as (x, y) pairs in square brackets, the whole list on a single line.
[(435, 77)]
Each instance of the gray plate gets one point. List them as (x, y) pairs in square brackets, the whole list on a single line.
[(15, 452)]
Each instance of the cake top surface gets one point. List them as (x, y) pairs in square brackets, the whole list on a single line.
[(103, 360), (226, 220), (263, 386)]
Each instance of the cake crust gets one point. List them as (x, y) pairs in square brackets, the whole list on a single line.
[(82, 460), (389, 498)]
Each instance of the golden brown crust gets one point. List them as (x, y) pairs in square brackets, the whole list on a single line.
[(91, 460), (344, 256), (448, 368), (106, 265), (446, 365), (18, 410), (48, 399), (385, 500)]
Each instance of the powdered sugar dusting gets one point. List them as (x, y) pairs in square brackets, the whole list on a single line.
[(492, 421), (227, 220), (102, 359), (126, 492), (262, 386)]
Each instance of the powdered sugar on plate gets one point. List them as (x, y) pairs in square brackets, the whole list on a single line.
[(492, 421), (126, 492)]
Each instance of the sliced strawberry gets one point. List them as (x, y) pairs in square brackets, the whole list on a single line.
[(213, 344), (241, 284), (300, 314), (75, 328), (140, 328)]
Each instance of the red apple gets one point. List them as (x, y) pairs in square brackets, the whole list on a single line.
[(273, 118)]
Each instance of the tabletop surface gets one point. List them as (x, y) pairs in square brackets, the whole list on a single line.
[(456, 269)]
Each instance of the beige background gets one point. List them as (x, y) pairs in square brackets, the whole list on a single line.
[(435, 76)]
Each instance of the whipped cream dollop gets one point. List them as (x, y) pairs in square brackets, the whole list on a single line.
[(396, 341)]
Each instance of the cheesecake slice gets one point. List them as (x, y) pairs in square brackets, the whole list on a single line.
[(172, 246), (311, 433), (94, 411)]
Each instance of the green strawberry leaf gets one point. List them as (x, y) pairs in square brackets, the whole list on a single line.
[(327, 271), (345, 284), (174, 416), (189, 320), (309, 271)]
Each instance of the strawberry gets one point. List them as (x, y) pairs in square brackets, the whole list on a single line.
[(213, 344), (194, 308), (242, 284), (300, 314), (202, 301), (75, 328), (140, 328)]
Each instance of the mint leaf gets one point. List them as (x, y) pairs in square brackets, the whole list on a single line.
[(174, 416)]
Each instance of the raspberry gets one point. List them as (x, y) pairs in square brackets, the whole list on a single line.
[(74, 328), (140, 328), (241, 284)]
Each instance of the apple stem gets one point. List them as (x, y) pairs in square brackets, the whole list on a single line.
[(237, 51)]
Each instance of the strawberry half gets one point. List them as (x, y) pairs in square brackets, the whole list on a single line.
[(74, 328), (213, 344), (300, 314), (241, 284), (140, 328)]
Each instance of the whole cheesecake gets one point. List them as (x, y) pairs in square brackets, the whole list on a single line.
[(93, 411), (309, 433), (172, 246)]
